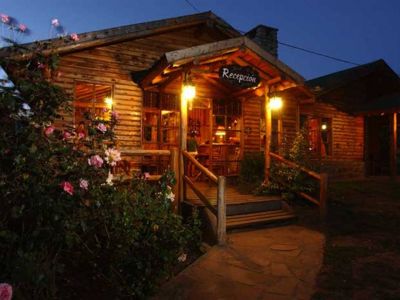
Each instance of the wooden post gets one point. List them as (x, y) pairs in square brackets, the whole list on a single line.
[(174, 162), (268, 130), (221, 216), (183, 124), (323, 195), (393, 146)]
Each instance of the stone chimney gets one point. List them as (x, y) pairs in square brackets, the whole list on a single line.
[(266, 37)]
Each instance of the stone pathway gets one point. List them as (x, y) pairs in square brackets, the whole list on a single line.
[(271, 263)]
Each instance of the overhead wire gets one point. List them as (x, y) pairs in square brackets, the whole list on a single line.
[(293, 46)]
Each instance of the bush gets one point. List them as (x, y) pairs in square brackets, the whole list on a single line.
[(287, 180), (251, 172), (67, 230)]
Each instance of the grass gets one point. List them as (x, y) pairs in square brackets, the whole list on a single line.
[(362, 252)]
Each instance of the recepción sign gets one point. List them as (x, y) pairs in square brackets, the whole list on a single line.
[(236, 75)]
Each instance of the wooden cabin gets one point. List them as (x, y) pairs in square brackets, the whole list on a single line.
[(143, 71), (352, 125), (138, 71)]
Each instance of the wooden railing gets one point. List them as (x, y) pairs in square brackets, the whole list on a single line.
[(321, 177), (173, 165), (220, 181)]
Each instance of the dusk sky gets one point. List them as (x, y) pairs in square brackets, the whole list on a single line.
[(360, 31)]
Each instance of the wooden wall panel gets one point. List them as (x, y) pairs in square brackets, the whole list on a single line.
[(347, 131), (113, 64)]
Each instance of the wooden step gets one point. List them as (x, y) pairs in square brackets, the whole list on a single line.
[(244, 220), (250, 207)]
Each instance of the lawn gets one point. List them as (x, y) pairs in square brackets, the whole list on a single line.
[(362, 252)]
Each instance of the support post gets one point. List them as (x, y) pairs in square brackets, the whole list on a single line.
[(393, 146), (221, 215), (182, 143), (323, 195), (268, 130), (174, 162)]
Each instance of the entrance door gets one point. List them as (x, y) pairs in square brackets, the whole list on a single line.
[(377, 142)]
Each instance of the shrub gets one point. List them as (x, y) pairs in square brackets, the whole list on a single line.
[(67, 230), (251, 172), (287, 180)]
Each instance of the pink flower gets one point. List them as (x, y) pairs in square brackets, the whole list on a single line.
[(67, 187), (83, 184), (95, 161), (22, 27), (112, 156), (81, 135), (49, 130), (55, 22), (101, 127), (40, 65), (66, 135), (74, 37), (5, 291), (4, 18), (114, 115)]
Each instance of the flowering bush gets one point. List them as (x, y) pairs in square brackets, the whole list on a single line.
[(68, 229)]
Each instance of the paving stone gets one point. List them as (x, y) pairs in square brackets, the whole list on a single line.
[(273, 263), (284, 286), (280, 270), (284, 247)]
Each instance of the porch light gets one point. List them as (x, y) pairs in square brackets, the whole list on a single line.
[(188, 88), (109, 102), (275, 102), (324, 127), (188, 91)]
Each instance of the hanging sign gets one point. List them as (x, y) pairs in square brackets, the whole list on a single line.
[(236, 75)]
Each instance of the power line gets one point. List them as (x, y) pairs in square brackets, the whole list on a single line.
[(293, 46), (319, 54), (192, 5)]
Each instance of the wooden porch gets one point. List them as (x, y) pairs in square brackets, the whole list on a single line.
[(242, 209)]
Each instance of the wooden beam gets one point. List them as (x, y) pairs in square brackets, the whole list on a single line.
[(169, 79), (268, 132), (244, 63), (183, 127), (153, 73), (393, 145), (215, 83), (221, 205), (174, 166)]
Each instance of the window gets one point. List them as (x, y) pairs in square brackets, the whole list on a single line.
[(94, 99), (160, 120), (319, 134), (227, 121)]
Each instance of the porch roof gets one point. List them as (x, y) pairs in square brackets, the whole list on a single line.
[(207, 58)]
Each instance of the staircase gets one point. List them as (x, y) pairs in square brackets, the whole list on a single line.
[(244, 210), (257, 213)]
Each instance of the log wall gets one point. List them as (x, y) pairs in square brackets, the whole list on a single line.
[(113, 64), (347, 159)]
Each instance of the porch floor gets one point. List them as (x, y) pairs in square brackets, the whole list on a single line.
[(232, 195)]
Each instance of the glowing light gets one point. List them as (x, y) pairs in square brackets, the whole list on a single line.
[(188, 92), (324, 127), (275, 102), (220, 133), (109, 102)]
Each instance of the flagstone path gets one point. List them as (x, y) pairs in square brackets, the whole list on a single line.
[(270, 263)]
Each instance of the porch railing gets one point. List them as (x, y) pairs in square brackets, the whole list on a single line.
[(220, 181), (173, 164), (322, 178)]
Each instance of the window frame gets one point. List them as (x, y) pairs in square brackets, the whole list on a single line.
[(321, 119), (94, 83)]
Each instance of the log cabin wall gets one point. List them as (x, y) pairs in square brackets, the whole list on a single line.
[(253, 111), (347, 158), (251, 108), (113, 64)]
